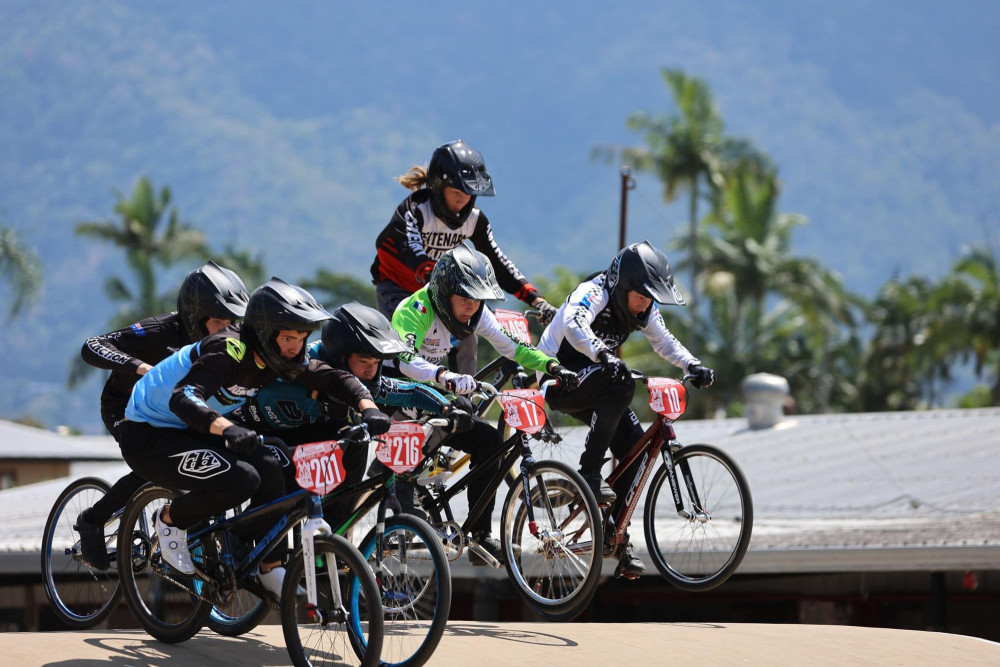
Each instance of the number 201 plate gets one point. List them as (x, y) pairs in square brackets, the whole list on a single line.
[(319, 467)]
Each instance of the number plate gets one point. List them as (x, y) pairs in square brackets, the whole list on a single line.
[(402, 448), (667, 397), (514, 322), (523, 409), (319, 466)]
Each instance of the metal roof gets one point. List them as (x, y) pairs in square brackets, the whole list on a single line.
[(851, 492), (26, 443)]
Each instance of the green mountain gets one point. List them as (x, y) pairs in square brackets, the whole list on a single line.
[(280, 128)]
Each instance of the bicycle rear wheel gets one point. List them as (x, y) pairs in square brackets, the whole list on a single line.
[(556, 568), (415, 582), (81, 596), (700, 547), (330, 634), (164, 601)]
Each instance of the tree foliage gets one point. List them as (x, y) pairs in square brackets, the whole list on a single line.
[(19, 267)]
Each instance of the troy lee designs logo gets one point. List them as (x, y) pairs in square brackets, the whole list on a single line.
[(201, 463)]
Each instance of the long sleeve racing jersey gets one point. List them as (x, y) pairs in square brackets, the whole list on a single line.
[(415, 238), (284, 405), (201, 381), (585, 325), (122, 352), (417, 323)]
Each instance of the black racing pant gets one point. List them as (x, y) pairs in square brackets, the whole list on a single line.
[(481, 441), (216, 479), (603, 405), (122, 490)]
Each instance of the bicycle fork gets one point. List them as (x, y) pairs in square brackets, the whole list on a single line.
[(698, 513), (527, 462), (315, 523)]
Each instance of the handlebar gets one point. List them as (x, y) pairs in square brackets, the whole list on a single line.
[(551, 382), (639, 375), (351, 433)]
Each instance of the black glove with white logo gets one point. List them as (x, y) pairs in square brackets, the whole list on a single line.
[(241, 440), (376, 420), (612, 366), (703, 377), (460, 420), (568, 380)]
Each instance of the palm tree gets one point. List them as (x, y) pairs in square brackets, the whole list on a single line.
[(966, 308), (679, 150), (138, 232), (688, 151), (898, 365), (148, 245), (19, 266), (761, 295)]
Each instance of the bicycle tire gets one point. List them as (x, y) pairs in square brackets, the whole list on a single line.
[(556, 576), (701, 552), (242, 622), (359, 635), (80, 596), (415, 587), (144, 574)]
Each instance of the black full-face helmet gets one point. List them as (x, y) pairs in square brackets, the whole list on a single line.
[(457, 165), (644, 269), (357, 329), (277, 306), (465, 272), (210, 291)]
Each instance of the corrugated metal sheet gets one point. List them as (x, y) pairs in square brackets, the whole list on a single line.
[(879, 491)]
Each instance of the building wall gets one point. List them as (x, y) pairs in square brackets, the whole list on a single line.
[(15, 472)]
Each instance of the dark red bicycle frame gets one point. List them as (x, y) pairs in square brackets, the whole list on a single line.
[(651, 443)]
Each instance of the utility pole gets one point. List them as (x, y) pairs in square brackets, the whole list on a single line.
[(628, 183)]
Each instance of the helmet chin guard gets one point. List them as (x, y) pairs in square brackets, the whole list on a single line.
[(467, 273), (278, 306)]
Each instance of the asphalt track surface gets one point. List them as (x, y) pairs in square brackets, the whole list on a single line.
[(578, 644)]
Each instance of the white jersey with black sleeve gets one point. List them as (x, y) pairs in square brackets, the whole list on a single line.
[(585, 325)]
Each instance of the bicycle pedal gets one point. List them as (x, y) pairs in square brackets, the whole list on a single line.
[(627, 575)]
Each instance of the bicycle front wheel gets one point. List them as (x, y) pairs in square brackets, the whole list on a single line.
[(166, 603), (415, 583), (81, 596), (700, 545), (553, 561), (346, 626)]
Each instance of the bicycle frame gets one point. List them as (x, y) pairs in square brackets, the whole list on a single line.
[(658, 442), (507, 456), (293, 508)]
